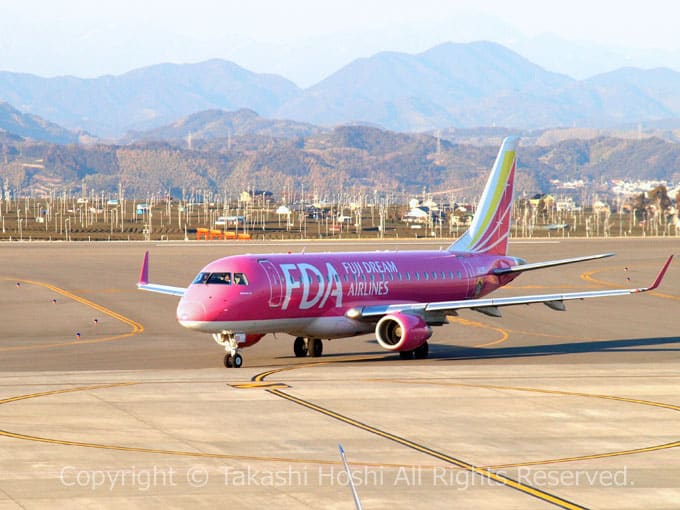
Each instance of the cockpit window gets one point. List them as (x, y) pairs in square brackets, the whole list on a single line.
[(220, 278), (201, 278)]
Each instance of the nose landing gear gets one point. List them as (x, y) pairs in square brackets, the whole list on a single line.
[(233, 357)]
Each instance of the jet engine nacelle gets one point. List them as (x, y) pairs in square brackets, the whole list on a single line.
[(402, 332)]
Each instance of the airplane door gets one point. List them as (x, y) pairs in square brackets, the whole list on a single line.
[(275, 283), (468, 274)]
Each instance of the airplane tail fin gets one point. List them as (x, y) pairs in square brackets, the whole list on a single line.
[(490, 226)]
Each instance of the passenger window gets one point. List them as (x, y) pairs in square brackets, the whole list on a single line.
[(443, 275), (426, 275), (417, 275), (408, 276), (460, 275), (346, 277), (220, 278), (240, 279)]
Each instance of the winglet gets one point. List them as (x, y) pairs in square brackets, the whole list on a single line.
[(661, 274), (144, 273)]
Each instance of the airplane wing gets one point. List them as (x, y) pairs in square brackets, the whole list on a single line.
[(143, 283), (550, 263), (490, 306)]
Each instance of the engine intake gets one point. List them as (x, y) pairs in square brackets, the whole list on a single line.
[(402, 332)]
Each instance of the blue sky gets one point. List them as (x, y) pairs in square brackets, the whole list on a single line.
[(305, 40)]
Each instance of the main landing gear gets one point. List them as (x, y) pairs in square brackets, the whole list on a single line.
[(233, 357), (419, 352), (312, 347)]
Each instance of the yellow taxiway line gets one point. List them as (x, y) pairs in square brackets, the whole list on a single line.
[(484, 472), (645, 449), (137, 327)]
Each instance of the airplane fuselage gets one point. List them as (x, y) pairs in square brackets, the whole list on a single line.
[(310, 294)]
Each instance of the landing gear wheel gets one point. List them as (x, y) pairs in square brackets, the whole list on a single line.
[(237, 360), (314, 347), (300, 347), (405, 354), (422, 351), (228, 361)]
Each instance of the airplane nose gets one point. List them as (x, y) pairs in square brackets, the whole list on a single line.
[(190, 311)]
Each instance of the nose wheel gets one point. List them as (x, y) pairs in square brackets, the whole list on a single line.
[(233, 357)]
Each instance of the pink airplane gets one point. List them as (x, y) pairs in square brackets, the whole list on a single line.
[(398, 294)]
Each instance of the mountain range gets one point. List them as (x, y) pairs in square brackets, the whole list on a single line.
[(450, 85), (17, 124)]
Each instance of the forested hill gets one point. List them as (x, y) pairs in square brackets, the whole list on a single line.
[(346, 159), (14, 123)]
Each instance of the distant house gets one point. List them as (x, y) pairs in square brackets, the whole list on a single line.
[(461, 220), (417, 215), (600, 207), (565, 204), (431, 204), (548, 200), (224, 221)]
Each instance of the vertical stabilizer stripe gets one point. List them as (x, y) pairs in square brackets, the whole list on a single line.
[(489, 229)]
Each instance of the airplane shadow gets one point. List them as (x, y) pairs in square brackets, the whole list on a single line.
[(444, 352), (660, 344)]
